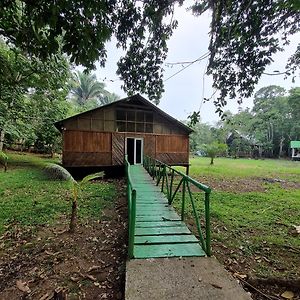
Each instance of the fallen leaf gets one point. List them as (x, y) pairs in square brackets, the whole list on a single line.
[(288, 295), (216, 286), (91, 277), (241, 276), (22, 286), (297, 228), (94, 268)]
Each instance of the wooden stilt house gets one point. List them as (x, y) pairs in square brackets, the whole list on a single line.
[(134, 126)]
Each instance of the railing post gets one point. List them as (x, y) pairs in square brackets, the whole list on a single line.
[(132, 224), (158, 170), (163, 181), (158, 174), (171, 186), (207, 224), (153, 169), (183, 199)]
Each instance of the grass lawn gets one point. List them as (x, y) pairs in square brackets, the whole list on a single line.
[(38, 253), (245, 168), (28, 198), (254, 205)]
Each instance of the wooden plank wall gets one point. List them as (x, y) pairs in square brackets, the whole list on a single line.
[(118, 149), (171, 149), (86, 148)]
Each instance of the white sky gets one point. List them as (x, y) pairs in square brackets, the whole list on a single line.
[(184, 92)]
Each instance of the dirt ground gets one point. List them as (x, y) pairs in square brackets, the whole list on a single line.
[(52, 264), (48, 264), (241, 267)]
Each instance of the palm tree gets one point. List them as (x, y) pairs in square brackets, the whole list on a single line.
[(87, 88), (107, 98)]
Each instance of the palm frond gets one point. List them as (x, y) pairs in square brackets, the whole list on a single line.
[(91, 177), (3, 158), (86, 87)]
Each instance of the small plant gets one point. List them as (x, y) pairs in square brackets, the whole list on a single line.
[(57, 172), (214, 149), (3, 160)]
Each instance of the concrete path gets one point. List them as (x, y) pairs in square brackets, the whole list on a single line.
[(198, 278)]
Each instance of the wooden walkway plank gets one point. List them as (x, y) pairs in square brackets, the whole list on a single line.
[(159, 231), (158, 224), (168, 250), (169, 239)]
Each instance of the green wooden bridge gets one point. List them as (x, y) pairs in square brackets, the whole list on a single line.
[(155, 228)]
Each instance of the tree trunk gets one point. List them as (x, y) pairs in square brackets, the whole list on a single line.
[(2, 133), (212, 160), (281, 146), (73, 217), (260, 151)]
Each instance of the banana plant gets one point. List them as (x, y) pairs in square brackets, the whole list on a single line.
[(54, 171), (3, 160)]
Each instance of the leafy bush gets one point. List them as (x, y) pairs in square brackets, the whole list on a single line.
[(3, 160)]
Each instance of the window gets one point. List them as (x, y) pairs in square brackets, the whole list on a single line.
[(149, 117), (121, 126), (121, 115), (134, 121), (149, 128), (140, 127), (130, 126), (140, 116)]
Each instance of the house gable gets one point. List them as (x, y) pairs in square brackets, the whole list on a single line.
[(132, 114)]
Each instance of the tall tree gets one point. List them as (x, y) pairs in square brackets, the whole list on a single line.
[(107, 98), (244, 37), (294, 109), (81, 29), (88, 93), (87, 88), (245, 34), (272, 119), (27, 82)]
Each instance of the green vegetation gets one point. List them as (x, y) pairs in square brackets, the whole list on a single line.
[(237, 168), (244, 36), (88, 93), (263, 131), (55, 171), (28, 198), (35, 93), (3, 160), (214, 149), (254, 228)]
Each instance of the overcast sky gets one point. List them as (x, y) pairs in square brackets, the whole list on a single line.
[(185, 91)]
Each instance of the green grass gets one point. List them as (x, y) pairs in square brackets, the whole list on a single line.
[(234, 168), (252, 224), (27, 197)]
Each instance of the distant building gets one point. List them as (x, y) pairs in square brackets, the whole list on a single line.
[(295, 146), (241, 145)]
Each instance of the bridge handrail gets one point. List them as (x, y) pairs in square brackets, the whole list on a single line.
[(131, 198), (160, 171)]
